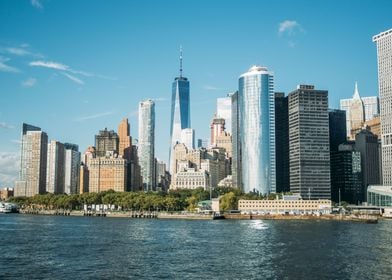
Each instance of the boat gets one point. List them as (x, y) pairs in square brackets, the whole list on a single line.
[(6, 208)]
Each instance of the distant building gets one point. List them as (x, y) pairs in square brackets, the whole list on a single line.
[(282, 143), (380, 196), (125, 140), (188, 137), (236, 165), (337, 129), (180, 111), (106, 141), (257, 130), (33, 163), (309, 143), (191, 179), (107, 173), (146, 143), (55, 176), (83, 179), (223, 110), (6, 193), (282, 206), (72, 168)]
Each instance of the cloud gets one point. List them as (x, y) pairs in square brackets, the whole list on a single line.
[(16, 141), (158, 99), (30, 82), (7, 68), (37, 4), (9, 167), (6, 126), (95, 116), (289, 27), (208, 87), (50, 64), (22, 51), (74, 79)]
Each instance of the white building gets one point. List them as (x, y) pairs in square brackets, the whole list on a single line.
[(384, 59), (146, 143), (188, 138), (223, 110), (282, 206), (55, 167), (72, 169), (191, 179)]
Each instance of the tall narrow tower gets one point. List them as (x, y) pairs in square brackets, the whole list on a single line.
[(125, 140), (384, 59), (180, 111)]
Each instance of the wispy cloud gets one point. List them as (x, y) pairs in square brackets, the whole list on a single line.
[(5, 67), (9, 167), (50, 64), (95, 116), (30, 82), (16, 141), (37, 4), (289, 27), (74, 79), (159, 99), (6, 126), (209, 87)]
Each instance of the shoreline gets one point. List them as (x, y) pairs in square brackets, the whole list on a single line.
[(197, 216)]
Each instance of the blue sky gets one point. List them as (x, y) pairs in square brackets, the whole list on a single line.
[(75, 67)]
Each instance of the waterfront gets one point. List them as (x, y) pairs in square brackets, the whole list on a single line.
[(56, 247)]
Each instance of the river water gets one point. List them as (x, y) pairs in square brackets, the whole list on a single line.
[(55, 247)]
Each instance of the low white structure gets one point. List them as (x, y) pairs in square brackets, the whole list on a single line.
[(191, 179), (282, 206)]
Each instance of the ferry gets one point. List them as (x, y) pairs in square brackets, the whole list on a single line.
[(6, 207)]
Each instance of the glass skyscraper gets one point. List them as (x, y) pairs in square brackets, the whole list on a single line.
[(257, 130), (180, 112)]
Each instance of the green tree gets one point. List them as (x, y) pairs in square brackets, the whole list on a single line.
[(228, 201)]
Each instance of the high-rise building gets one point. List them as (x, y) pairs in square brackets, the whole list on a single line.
[(282, 142), (125, 140), (236, 146), (106, 141), (223, 110), (83, 178), (358, 110), (309, 143), (55, 167), (72, 168), (346, 174), (32, 174), (367, 144), (257, 130), (188, 137), (217, 129), (337, 128), (180, 111), (384, 59), (146, 143)]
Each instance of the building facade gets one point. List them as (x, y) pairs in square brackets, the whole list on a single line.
[(146, 143), (384, 61), (125, 140), (191, 179), (309, 143), (106, 141), (257, 130), (223, 110), (236, 144), (72, 169), (180, 111), (188, 137), (282, 143)]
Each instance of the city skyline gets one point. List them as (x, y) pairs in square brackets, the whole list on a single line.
[(39, 74)]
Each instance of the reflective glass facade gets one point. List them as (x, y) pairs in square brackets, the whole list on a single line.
[(180, 113), (379, 196), (257, 130)]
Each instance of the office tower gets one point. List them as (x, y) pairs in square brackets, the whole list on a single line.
[(309, 143), (217, 129), (337, 128), (358, 110), (282, 142), (257, 130), (346, 174), (188, 137), (223, 110), (367, 144), (163, 176), (225, 141), (179, 153), (372, 107), (55, 167), (72, 168), (83, 178), (107, 173), (146, 143), (125, 140), (180, 111), (236, 147), (384, 61), (106, 141), (32, 174)]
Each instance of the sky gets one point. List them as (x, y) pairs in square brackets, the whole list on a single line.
[(76, 67)]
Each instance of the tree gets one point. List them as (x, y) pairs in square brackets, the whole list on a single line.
[(228, 201)]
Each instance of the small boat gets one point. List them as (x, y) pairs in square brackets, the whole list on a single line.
[(6, 207)]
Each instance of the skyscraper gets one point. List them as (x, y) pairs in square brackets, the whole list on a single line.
[(257, 130), (372, 107), (223, 110), (125, 140), (236, 147), (106, 141), (282, 142), (32, 173), (337, 128), (217, 129), (384, 59), (309, 143), (188, 137), (180, 111), (72, 168), (55, 167), (146, 143)]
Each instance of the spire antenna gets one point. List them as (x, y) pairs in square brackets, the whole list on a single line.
[(180, 61)]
